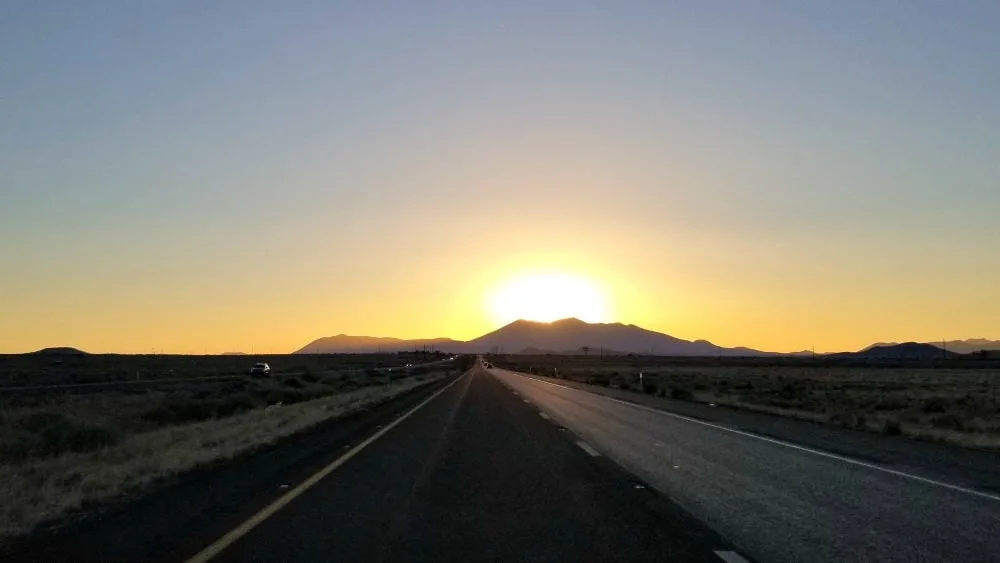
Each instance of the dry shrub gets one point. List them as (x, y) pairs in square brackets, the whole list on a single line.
[(41, 489)]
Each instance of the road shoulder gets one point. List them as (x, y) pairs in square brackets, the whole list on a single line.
[(970, 468)]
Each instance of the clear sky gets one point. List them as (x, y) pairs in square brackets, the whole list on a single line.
[(227, 175)]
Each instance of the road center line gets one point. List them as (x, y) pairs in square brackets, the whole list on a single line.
[(820, 453), (243, 529)]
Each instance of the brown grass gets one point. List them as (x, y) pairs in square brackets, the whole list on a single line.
[(29, 369), (40, 489), (959, 404)]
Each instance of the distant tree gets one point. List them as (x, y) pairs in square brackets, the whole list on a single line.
[(586, 350)]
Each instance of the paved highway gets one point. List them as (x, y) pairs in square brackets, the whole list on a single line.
[(498, 466), (476, 474), (776, 500)]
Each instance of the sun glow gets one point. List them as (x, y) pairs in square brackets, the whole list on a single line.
[(549, 297)]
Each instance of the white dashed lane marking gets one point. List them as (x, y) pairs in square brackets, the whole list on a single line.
[(586, 447), (782, 443), (731, 557)]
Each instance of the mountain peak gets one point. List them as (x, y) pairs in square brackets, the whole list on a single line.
[(905, 350), (568, 321), (571, 335), (60, 351), (558, 322)]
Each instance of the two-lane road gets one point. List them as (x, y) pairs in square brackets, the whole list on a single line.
[(477, 474), (779, 501), (498, 466)]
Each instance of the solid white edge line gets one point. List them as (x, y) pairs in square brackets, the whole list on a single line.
[(730, 557), (587, 448), (219, 545), (925, 480)]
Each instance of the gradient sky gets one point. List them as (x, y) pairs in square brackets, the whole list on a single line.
[(227, 175)]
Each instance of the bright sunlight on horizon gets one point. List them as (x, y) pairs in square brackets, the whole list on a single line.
[(548, 297)]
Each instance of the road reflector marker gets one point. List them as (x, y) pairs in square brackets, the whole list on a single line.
[(731, 557), (219, 545), (586, 447)]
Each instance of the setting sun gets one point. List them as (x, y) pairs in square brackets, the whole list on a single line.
[(549, 297)]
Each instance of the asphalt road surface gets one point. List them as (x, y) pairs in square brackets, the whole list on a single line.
[(476, 474), (776, 500), (498, 466)]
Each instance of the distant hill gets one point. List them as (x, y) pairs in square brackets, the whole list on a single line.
[(571, 335), (560, 337), (972, 345), (968, 346), (345, 344), (906, 350), (59, 351)]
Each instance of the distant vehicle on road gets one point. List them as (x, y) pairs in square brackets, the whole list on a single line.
[(260, 369)]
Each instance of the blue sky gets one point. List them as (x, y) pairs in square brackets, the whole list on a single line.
[(830, 166)]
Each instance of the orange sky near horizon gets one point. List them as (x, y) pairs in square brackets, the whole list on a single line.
[(221, 177), (447, 294)]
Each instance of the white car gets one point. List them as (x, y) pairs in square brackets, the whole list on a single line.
[(260, 369)]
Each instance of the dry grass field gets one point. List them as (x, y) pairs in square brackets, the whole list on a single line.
[(955, 402), (68, 369), (63, 449)]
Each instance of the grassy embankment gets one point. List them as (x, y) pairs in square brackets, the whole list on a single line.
[(62, 453), (957, 404)]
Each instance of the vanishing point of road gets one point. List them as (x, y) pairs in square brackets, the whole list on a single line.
[(499, 466), (477, 474)]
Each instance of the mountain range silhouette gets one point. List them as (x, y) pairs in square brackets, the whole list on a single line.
[(575, 336)]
